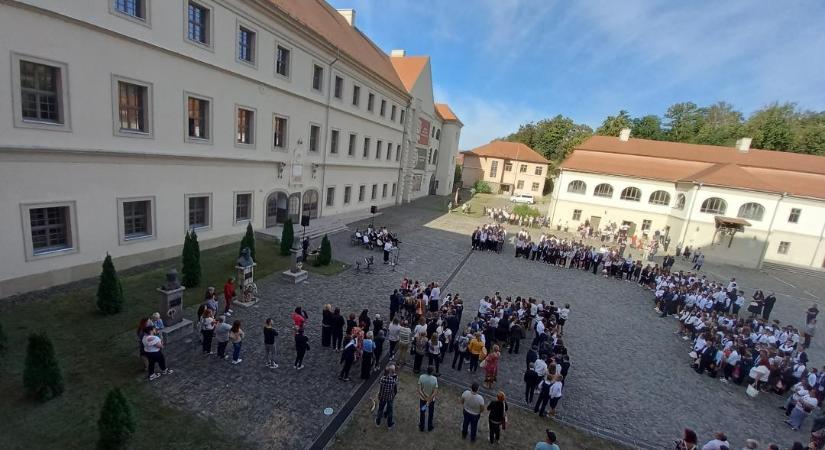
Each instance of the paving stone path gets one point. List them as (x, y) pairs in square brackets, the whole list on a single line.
[(629, 377)]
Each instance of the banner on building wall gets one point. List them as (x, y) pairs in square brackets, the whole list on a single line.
[(421, 162), (423, 132), (417, 180)]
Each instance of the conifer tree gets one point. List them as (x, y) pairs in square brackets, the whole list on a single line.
[(116, 424), (326, 252), (248, 241), (41, 376), (191, 271), (109, 289), (287, 238)]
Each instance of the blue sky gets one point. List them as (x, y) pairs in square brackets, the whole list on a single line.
[(499, 63)]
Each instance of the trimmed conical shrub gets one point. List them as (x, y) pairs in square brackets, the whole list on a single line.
[(325, 256), (41, 376), (248, 241), (109, 290), (191, 271), (287, 238), (116, 424)]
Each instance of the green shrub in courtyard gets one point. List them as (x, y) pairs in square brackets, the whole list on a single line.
[(4, 342), (526, 211), (287, 238), (325, 255), (248, 241), (41, 376), (482, 187), (109, 290), (191, 271), (116, 424)]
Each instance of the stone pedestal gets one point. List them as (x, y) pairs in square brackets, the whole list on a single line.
[(245, 276), (296, 273), (171, 311)]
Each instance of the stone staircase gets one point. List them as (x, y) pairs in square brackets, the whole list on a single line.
[(319, 227), (806, 271)]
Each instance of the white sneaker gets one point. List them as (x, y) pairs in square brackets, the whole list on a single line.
[(167, 372), (237, 361), (300, 367), (273, 366), (154, 376)]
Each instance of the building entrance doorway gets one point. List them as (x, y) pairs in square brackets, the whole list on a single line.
[(311, 204), (594, 223), (276, 209), (294, 211)]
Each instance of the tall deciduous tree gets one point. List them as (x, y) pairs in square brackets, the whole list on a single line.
[(612, 125), (109, 289), (683, 121), (771, 126), (553, 138), (648, 127), (722, 125)]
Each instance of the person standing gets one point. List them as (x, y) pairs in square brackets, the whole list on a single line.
[(301, 347), (222, 336), (392, 335), (544, 396), (473, 406), (388, 388), (491, 367), (387, 250), (516, 335), (427, 391), (347, 358), (420, 345), (461, 351), (153, 348), (379, 348), (768, 306), (228, 296), (208, 331), (555, 393), (367, 349), (404, 340), (326, 326), (236, 335), (475, 347), (699, 260), (270, 333), (497, 417), (434, 352), (549, 443), (337, 329), (531, 380)]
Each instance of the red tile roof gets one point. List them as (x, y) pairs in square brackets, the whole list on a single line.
[(508, 150), (447, 115), (409, 68)]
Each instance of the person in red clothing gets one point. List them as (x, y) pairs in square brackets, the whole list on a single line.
[(299, 317), (228, 295)]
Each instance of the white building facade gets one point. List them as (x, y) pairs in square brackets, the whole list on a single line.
[(132, 121), (683, 191)]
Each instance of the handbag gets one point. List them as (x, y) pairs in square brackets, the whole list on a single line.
[(483, 363), (752, 391)]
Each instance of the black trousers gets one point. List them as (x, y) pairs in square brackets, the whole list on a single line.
[(345, 371), (326, 336), (392, 347), (299, 357), (417, 362), (337, 337), (459, 358), (222, 349), (515, 344), (207, 340), (541, 404), (155, 358), (495, 431)]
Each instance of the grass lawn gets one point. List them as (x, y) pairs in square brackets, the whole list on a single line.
[(524, 429), (99, 352)]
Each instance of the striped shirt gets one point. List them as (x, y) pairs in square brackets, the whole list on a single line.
[(404, 335)]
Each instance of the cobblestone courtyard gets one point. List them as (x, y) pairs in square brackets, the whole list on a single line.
[(629, 378)]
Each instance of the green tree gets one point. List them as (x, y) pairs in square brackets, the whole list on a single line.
[(553, 138), (771, 127), (109, 289), (191, 271), (612, 125), (116, 424), (527, 211), (41, 376), (648, 127), (482, 187), (248, 240), (526, 134), (457, 176), (325, 255), (287, 238), (809, 133), (684, 121), (722, 125)]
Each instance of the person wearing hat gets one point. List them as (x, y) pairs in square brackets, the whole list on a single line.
[(549, 443)]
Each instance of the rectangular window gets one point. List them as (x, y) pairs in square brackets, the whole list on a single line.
[(374, 192), (384, 191), (40, 92), (534, 187), (314, 132), (245, 127), (317, 77), (279, 132), (351, 145), (356, 95), (198, 21), (577, 214), (198, 211), (398, 152), (520, 184), (246, 45), (389, 151), (333, 141), (522, 168), (339, 87), (393, 189), (137, 220), (366, 147), (370, 101), (379, 144), (198, 117), (347, 194), (50, 229), (330, 196), (383, 110), (392, 113), (784, 246), (361, 190), (401, 120), (539, 170), (508, 166), (243, 207), (646, 224), (133, 8), (493, 169), (794, 216), (132, 107), (282, 61)]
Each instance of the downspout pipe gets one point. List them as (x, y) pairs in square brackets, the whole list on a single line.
[(770, 230), (404, 153), (690, 215), (322, 203)]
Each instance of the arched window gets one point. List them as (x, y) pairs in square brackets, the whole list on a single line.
[(753, 211), (714, 205), (603, 190), (631, 193), (577, 187), (680, 201), (659, 198)]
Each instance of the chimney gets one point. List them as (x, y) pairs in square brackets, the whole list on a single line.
[(743, 145), (624, 135), (349, 16), (398, 53)]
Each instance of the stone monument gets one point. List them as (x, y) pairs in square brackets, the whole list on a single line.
[(296, 272), (246, 291), (171, 308)]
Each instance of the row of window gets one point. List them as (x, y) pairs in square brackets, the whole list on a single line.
[(712, 205), (362, 190), (199, 31), (508, 167)]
